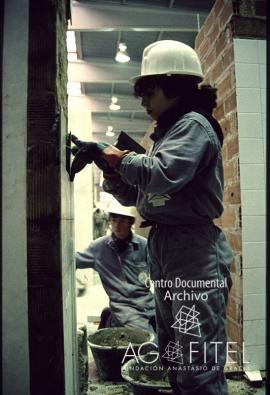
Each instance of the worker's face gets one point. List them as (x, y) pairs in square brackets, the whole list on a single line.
[(155, 102), (120, 226)]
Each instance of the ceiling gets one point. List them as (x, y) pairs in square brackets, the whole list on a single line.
[(99, 26)]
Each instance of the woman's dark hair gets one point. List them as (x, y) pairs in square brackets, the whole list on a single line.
[(186, 87)]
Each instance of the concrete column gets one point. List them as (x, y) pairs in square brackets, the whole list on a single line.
[(15, 352), (79, 123)]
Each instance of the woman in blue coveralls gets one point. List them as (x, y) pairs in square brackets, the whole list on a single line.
[(178, 190)]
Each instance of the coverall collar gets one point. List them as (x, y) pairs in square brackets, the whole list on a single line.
[(167, 119), (170, 117), (113, 242)]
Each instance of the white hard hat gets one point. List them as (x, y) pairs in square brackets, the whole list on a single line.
[(116, 208), (169, 57)]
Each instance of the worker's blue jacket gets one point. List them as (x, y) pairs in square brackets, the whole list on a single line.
[(181, 180), (125, 278)]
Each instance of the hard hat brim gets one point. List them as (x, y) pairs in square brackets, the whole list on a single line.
[(134, 79)]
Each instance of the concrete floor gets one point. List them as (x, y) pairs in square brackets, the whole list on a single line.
[(236, 387)]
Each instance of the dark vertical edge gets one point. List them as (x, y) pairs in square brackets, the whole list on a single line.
[(267, 351), (2, 4), (46, 343)]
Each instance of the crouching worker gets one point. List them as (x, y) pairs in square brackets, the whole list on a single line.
[(120, 260)]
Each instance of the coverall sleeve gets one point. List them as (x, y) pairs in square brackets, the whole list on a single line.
[(85, 259), (124, 193), (180, 154)]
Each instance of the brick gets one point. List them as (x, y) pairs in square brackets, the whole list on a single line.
[(235, 332), (229, 218), (228, 56), (229, 124), (210, 58), (236, 291), (233, 122), (235, 240), (218, 7), (233, 146), (217, 70), (237, 264), (226, 85), (230, 103), (226, 14), (204, 69), (213, 33), (221, 43), (225, 126), (219, 112), (199, 39), (229, 170), (203, 47), (226, 158), (224, 151), (234, 308), (225, 155), (232, 194)]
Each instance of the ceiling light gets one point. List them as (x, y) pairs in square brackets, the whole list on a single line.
[(113, 106), (122, 55), (109, 132)]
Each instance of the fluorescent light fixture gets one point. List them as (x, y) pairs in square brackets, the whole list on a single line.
[(109, 132), (74, 88), (122, 55), (114, 106)]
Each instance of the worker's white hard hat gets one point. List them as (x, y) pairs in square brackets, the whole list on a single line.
[(116, 208), (169, 57)]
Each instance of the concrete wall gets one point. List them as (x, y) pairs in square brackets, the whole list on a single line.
[(79, 123), (250, 72), (15, 353)]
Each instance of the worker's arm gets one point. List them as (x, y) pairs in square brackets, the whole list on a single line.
[(124, 193), (86, 258), (186, 150)]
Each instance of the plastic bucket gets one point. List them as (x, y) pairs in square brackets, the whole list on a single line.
[(146, 378), (108, 358)]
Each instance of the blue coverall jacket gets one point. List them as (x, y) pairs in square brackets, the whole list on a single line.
[(125, 278)]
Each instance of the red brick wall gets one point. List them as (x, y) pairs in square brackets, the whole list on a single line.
[(214, 45)]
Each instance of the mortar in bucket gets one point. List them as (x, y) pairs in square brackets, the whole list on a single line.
[(146, 376), (109, 347)]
